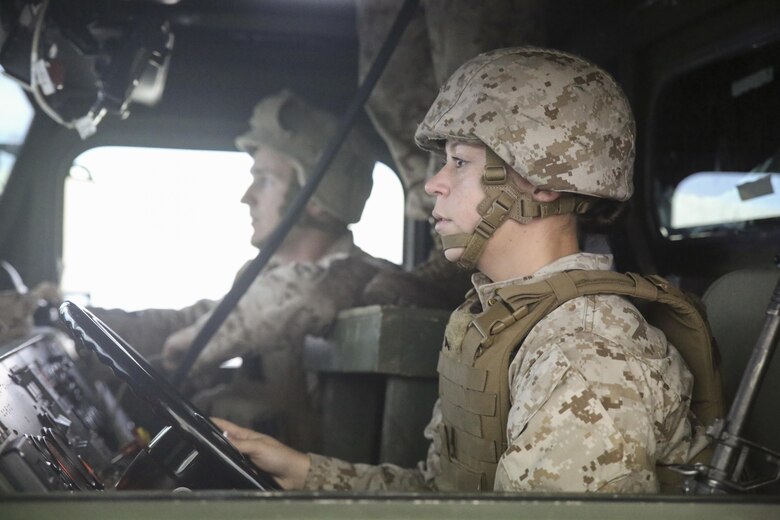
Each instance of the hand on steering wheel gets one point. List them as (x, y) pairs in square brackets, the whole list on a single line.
[(166, 401)]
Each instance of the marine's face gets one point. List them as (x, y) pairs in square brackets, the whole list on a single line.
[(458, 190), (272, 175)]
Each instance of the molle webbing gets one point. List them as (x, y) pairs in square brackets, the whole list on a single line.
[(474, 386)]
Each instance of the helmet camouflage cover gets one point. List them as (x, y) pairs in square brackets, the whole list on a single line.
[(287, 124), (559, 121)]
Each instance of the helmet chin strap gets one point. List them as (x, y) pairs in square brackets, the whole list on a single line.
[(505, 200)]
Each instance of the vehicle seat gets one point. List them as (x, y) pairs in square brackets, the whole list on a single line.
[(736, 308), (378, 382)]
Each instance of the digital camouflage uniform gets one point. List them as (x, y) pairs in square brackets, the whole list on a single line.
[(286, 302), (443, 35), (598, 398)]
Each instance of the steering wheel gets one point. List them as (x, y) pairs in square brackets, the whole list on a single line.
[(208, 450)]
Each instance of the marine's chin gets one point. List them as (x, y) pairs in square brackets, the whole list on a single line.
[(453, 254), (259, 241)]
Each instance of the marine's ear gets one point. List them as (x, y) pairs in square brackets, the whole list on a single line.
[(315, 210), (545, 195)]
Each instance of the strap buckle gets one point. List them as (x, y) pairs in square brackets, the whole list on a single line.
[(494, 174), (485, 229), (495, 168)]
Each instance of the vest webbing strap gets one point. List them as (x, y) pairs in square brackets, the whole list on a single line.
[(467, 376), (480, 448), (467, 450), (454, 476), (678, 318), (466, 421), (563, 287), (493, 336), (479, 402)]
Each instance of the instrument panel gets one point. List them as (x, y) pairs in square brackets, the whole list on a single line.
[(57, 431)]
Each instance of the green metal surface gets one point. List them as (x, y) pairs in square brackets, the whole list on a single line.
[(239, 506), (402, 341), (378, 376), (407, 409)]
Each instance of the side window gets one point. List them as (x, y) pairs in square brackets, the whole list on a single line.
[(715, 150), (16, 114), (149, 227), (380, 231), (722, 198)]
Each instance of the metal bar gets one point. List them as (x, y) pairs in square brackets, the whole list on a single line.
[(727, 451)]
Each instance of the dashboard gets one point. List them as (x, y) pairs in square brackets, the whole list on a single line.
[(57, 431)]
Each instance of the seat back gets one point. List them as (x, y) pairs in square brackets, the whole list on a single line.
[(736, 307)]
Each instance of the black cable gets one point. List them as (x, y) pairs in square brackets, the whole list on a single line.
[(245, 279)]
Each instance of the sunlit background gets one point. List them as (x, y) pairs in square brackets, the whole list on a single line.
[(147, 227)]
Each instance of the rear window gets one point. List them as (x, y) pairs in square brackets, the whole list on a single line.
[(715, 150)]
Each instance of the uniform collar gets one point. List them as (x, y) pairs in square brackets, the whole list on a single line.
[(486, 288), (341, 248)]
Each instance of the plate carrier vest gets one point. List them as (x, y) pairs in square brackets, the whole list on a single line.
[(473, 380)]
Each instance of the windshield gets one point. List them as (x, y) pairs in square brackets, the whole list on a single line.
[(171, 222)]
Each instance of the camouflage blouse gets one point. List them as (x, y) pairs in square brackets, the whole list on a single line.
[(271, 392), (598, 399)]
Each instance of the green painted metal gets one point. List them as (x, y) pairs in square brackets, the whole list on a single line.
[(378, 376), (241, 506), (393, 340)]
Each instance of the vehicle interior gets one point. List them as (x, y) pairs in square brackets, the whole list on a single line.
[(119, 187)]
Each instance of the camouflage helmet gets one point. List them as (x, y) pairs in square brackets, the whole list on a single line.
[(287, 124), (561, 122)]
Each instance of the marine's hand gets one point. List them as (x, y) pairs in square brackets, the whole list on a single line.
[(49, 292), (288, 466), (176, 346), (180, 342)]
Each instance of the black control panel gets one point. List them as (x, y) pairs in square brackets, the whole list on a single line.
[(57, 431)]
